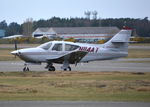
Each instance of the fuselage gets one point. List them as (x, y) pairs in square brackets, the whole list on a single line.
[(52, 50)]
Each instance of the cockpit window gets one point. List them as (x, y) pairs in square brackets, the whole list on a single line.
[(45, 46), (69, 47), (57, 47)]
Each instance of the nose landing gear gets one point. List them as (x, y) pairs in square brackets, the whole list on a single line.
[(25, 69)]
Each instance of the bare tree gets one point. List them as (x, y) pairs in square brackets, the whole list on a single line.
[(87, 14), (28, 27), (95, 14)]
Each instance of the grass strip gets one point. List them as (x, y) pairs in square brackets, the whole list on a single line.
[(75, 86)]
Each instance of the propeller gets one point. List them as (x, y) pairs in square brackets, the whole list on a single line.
[(15, 42), (16, 52)]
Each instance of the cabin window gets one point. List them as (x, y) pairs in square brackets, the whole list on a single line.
[(57, 47), (45, 46), (69, 47)]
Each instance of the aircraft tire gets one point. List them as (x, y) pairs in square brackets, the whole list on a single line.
[(25, 69), (69, 68), (52, 68)]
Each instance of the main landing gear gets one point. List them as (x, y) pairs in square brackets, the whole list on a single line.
[(50, 67), (66, 66)]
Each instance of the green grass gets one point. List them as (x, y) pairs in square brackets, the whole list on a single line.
[(75, 86), (135, 61), (139, 44), (138, 53), (5, 55)]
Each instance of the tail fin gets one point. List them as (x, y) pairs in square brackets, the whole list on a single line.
[(120, 41)]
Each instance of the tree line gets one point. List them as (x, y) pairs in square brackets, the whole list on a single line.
[(141, 26)]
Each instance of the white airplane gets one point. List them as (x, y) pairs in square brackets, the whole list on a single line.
[(66, 53)]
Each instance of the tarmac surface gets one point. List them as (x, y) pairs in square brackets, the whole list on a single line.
[(71, 104), (125, 65)]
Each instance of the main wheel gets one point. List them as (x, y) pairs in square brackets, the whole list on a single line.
[(65, 69), (52, 68), (69, 68)]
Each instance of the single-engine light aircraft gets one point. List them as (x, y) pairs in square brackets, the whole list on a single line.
[(67, 53)]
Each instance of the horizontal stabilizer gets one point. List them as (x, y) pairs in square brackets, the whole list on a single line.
[(119, 41)]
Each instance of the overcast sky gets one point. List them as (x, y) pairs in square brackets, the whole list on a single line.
[(19, 10)]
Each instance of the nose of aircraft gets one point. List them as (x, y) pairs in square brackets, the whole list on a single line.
[(14, 52)]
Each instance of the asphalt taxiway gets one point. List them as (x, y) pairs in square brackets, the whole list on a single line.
[(71, 104), (125, 65)]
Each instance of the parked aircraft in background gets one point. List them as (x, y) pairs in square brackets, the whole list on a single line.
[(67, 53), (13, 37)]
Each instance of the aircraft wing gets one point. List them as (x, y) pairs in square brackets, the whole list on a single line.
[(72, 57)]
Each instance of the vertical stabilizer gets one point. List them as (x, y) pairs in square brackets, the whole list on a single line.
[(120, 40)]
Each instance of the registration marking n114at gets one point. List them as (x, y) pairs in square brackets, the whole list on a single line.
[(89, 49)]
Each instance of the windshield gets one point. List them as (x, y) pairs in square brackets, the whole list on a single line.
[(45, 46)]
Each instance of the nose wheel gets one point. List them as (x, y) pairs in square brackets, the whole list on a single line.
[(25, 69)]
